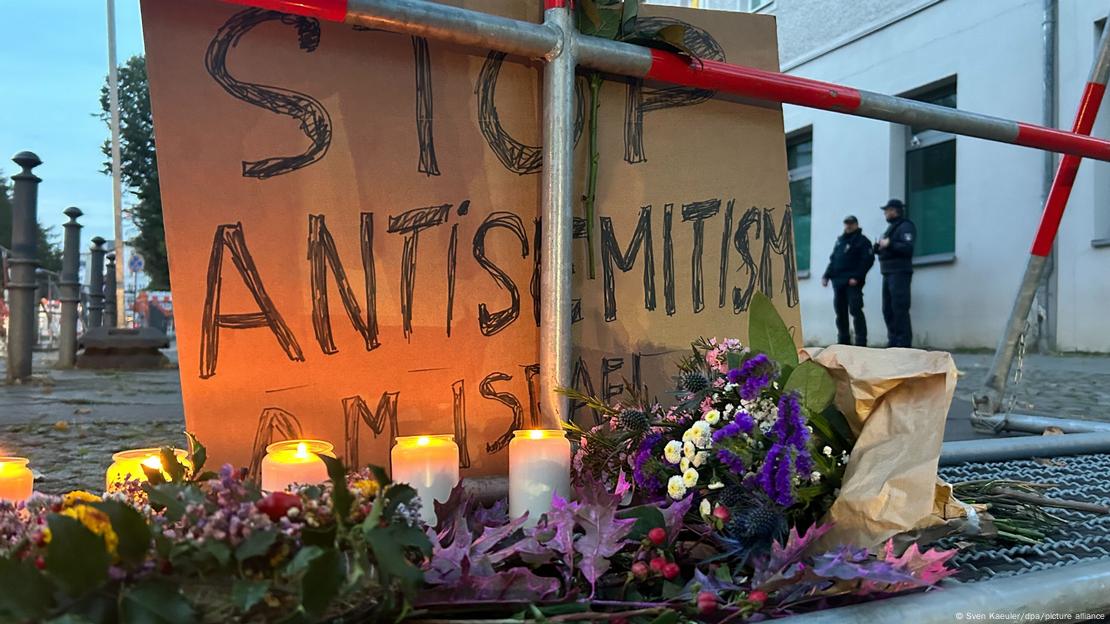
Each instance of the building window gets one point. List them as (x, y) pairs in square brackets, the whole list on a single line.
[(931, 179), (799, 164)]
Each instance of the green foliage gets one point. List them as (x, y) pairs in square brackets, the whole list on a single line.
[(139, 167), (155, 602), (26, 593), (131, 529), (647, 517), (767, 333), (815, 385), (246, 593), (76, 557)]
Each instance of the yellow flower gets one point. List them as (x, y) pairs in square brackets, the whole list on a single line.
[(76, 505), (368, 488)]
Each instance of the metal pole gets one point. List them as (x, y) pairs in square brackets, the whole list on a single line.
[(988, 401), (473, 28), (1046, 292), (1023, 447), (557, 214), (117, 192), (1080, 588), (110, 300), (23, 262), (96, 282), (70, 296)]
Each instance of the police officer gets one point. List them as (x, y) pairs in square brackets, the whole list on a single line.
[(895, 251), (849, 263)]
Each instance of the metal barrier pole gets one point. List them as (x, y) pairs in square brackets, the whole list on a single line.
[(474, 28), (70, 296), (557, 213), (23, 262), (988, 402), (110, 302), (96, 282)]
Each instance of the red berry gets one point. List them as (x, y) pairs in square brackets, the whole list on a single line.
[(721, 513), (707, 603), (40, 563), (658, 563), (640, 570), (670, 571), (658, 536), (758, 596), (277, 504)]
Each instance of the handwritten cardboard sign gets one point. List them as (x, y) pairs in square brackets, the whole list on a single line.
[(352, 224)]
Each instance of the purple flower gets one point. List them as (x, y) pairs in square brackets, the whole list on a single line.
[(742, 423), (731, 460), (641, 473), (755, 374), (776, 476)]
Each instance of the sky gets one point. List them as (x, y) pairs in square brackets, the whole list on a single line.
[(55, 58)]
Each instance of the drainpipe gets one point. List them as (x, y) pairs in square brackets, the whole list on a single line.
[(1046, 292)]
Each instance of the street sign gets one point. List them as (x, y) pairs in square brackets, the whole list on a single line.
[(136, 263)]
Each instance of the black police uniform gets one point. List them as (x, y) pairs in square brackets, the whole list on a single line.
[(851, 258), (896, 265)]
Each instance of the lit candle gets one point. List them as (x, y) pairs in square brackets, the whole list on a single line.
[(129, 464), (16, 479), (294, 461), (539, 466), (430, 464)]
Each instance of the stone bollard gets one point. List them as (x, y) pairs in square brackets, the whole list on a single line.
[(110, 291), (71, 289), (21, 326), (96, 282)]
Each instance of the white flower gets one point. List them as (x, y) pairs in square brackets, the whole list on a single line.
[(676, 489), (700, 458), (715, 485), (672, 452), (827, 451), (688, 449), (712, 417), (688, 435), (690, 477), (706, 508), (700, 428), (729, 408), (684, 465), (815, 476)]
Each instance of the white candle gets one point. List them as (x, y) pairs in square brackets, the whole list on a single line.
[(539, 466), (294, 461), (430, 464), (129, 465), (16, 479)]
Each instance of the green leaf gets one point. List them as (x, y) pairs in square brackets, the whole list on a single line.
[(155, 602), (246, 593), (388, 544), (629, 11), (198, 454), (165, 496), (171, 465), (76, 557), (26, 593), (670, 590), (588, 9), (667, 617), (219, 551), (647, 518), (323, 537), (321, 582), (398, 494), (256, 545), (380, 475), (341, 497), (767, 333), (814, 384), (130, 527), (302, 559)]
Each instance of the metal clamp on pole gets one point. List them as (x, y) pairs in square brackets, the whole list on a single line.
[(986, 416)]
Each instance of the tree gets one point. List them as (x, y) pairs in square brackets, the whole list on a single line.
[(139, 167), (49, 254)]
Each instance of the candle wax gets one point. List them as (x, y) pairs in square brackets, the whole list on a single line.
[(430, 464), (294, 461), (16, 479), (539, 467)]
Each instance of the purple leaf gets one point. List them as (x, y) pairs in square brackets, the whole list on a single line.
[(556, 531), (604, 534), (494, 515), (673, 515), (783, 557), (518, 583)]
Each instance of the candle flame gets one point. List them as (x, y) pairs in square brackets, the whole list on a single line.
[(423, 441), (302, 450), (535, 434), (154, 462)]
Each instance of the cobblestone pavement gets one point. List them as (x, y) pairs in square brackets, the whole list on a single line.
[(68, 423)]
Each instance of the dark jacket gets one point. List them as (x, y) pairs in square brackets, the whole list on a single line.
[(898, 256), (851, 258)]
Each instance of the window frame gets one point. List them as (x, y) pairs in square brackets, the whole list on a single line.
[(801, 172), (922, 139)]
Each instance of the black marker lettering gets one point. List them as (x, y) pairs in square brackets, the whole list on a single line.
[(726, 234), (751, 219), (782, 243), (410, 223), (697, 213), (355, 410), (668, 260), (492, 322), (322, 255), (485, 388), (611, 253)]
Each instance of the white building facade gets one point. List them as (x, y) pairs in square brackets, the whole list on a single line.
[(976, 203)]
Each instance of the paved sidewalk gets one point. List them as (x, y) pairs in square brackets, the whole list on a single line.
[(68, 423)]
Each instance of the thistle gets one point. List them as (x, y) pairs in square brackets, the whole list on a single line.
[(694, 381), (634, 420)]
